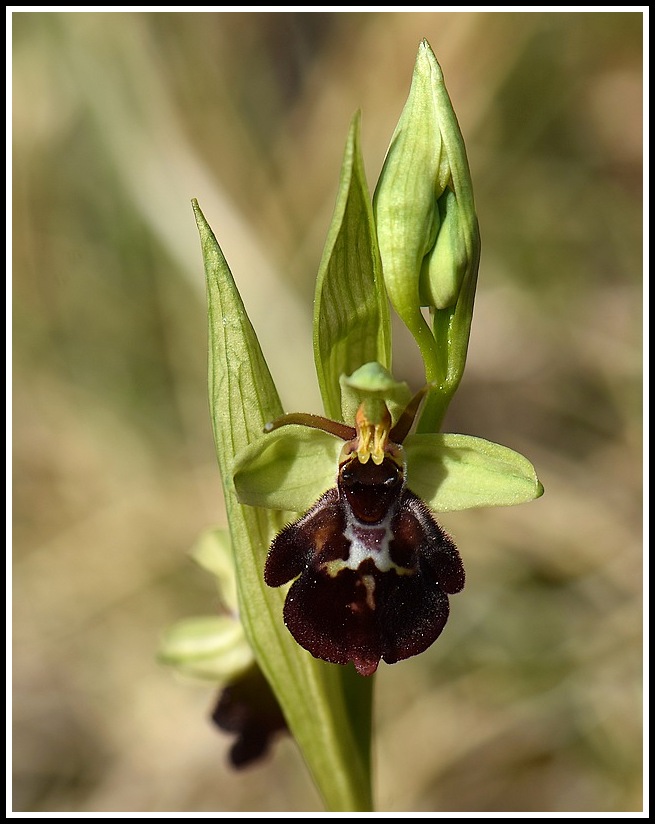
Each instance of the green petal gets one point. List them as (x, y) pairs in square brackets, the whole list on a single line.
[(451, 472), (315, 697), (288, 469), (212, 647), (213, 552), (351, 312)]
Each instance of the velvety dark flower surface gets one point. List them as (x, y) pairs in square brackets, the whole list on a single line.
[(373, 570), (248, 708)]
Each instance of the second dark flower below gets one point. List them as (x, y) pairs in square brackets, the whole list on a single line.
[(247, 708)]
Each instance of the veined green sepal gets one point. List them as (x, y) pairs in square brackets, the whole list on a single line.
[(210, 648), (213, 552), (453, 472), (293, 466), (287, 469)]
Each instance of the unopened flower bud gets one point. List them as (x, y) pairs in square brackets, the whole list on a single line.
[(425, 217)]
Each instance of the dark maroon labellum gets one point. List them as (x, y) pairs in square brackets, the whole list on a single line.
[(373, 570)]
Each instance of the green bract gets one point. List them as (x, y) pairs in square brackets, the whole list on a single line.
[(351, 311)]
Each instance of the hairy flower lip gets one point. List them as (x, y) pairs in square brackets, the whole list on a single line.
[(371, 570)]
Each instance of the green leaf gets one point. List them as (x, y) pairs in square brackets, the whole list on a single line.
[(452, 472), (351, 312), (313, 695), (212, 648), (288, 469)]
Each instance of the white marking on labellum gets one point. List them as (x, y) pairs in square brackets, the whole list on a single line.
[(367, 542)]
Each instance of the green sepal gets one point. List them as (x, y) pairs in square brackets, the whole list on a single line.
[(213, 552), (351, 310), (288, 469), (453, 472), (373, 382), (315, 697), (210, 648)]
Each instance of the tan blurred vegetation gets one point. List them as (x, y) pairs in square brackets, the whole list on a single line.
[(531, 700)]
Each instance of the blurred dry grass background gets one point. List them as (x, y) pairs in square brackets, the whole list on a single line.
[(531, 701)]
